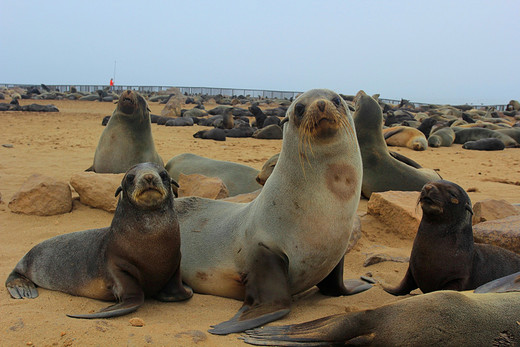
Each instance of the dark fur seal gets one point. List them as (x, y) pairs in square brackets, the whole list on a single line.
[(295, 234), (489, 144), (444, 255), (444, 318), (212, 134), (137, 256), (127, 139)]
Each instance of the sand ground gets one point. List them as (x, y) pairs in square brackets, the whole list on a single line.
[(61, 144)]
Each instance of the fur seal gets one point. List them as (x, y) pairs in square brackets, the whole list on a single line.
[(444, 256), (294, 235), (489, 144), (267, 169), (270, 132), (381, 171), (404, 136), (138, 255), (463, 135), (212, 134), (446, 318), (441, 137), (238, 178), (127, 139)]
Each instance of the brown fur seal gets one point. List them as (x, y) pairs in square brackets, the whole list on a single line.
[(444, 255), (127, 139), (403, 136), (295, 234), (137, 256), (446, 318), (267, 169), (441, 137), (381, 170)]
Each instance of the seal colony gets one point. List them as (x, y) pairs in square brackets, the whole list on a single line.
[(137, 256), (294, 235)]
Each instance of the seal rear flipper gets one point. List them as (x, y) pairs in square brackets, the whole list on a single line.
[(20, 287), (405, 287), (267, 294), (90, 168), (327, 331), (119, 309), (333, 284), (510, 283), (391, 133)]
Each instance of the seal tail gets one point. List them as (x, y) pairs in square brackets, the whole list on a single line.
[(328, 331)]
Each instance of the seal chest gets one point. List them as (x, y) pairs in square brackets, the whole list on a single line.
[(294, 235)]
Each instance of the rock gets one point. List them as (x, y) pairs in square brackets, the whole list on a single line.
[(202, 186), (97, 190), (136, 322), (398, 210), (503, 232), (42, 196), (244, 198), (174, 105), (491, 209)]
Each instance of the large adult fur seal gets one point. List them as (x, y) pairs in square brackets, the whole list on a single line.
[(444, 256), (463, 135), (137, 256), (294, 235), (381, 170), (442, 137), (238, 178), (127, 139), (404, 136), (446, 318)]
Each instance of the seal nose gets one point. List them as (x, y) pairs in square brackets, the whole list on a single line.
[(321, 105), (148, 178)]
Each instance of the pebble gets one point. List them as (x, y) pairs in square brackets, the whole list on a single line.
[(136, 322)]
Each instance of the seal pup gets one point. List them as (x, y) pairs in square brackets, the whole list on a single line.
[(267, 169), (381, 170), (444, 256), (137, 256), (489, 144), (294, 235), (127, 139), (445, 318)]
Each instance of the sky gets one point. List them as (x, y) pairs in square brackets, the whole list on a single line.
[(447, 52)]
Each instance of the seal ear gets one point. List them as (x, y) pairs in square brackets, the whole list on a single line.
[(174, 182), (283, 121), (175, 188), (468, 207), (118, 190)]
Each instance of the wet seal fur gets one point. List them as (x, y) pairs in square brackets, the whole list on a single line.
[(444, 256), (294, 235), (137, 256), (445, 318), (127, 139), (383, 171)]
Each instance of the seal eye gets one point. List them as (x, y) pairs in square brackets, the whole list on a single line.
[(164, 176), (299, 109), (130, 178), (336, 100)]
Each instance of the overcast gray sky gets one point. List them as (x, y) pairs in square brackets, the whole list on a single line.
[(435, 51)]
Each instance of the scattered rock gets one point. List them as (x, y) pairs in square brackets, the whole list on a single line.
[(381, 257), (43, 196), (202, 186), (503, 232), (136, 322), (196, 335), (97, 190), (398, 210), (491, 209), (174, 105), (7, 145)]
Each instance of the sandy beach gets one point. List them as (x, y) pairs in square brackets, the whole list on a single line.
[(62, 144)]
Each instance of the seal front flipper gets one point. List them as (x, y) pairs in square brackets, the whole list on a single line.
[(333, 284), (333, 330), (20, 287), (267, 294), (126, 288), (405, 159), (174, 290), (405, 287), (510, 283)]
